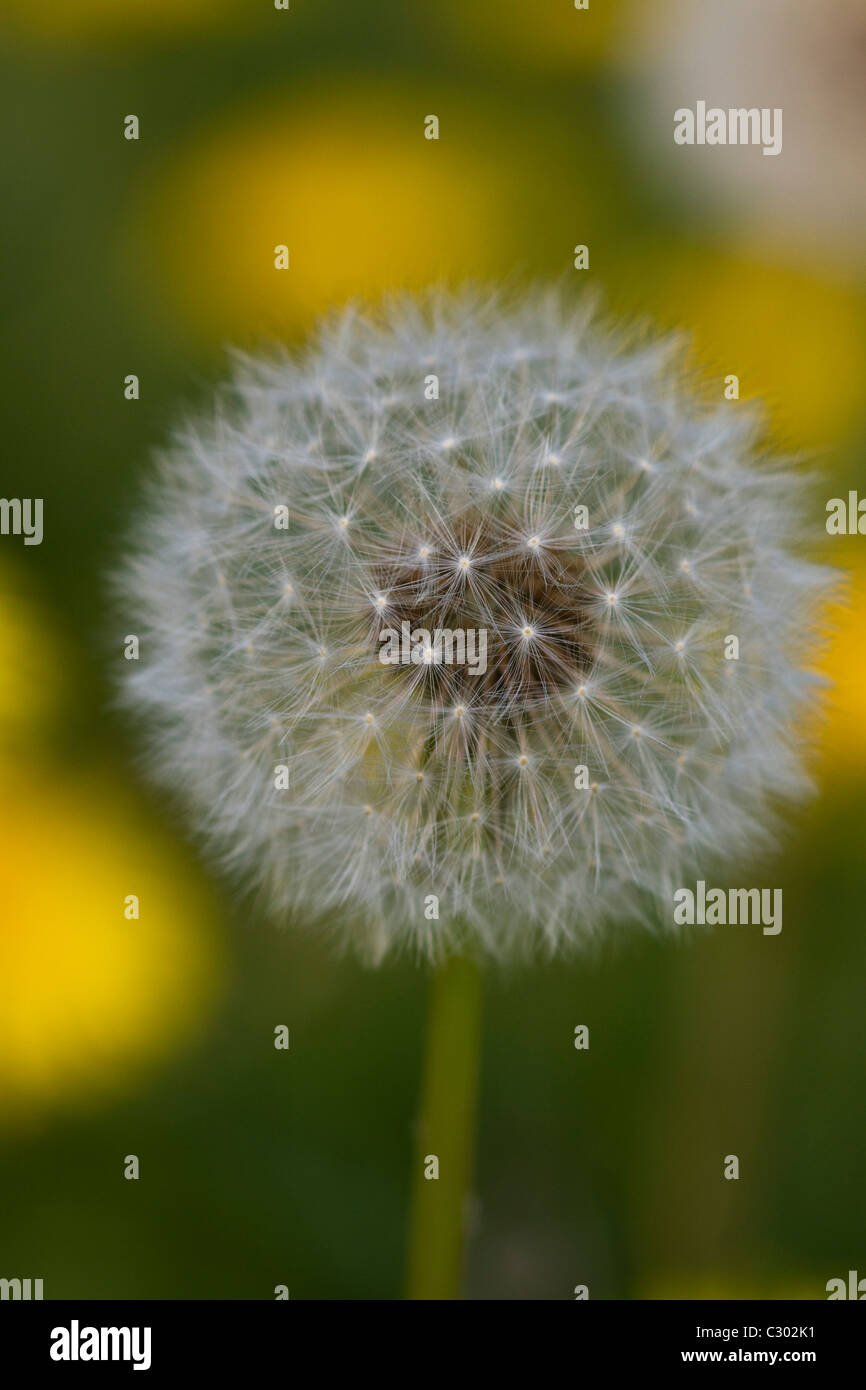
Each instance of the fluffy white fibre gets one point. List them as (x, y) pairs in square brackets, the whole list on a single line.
[(606, 646)]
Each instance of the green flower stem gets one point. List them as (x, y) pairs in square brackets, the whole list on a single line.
[(446, 1130)]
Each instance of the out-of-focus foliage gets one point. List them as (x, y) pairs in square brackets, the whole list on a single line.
[(130, 20), (33, 666)]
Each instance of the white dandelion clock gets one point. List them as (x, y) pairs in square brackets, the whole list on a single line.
[(472, 630), (470, 650)]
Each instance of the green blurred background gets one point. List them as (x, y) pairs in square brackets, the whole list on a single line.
[(155, 1037)]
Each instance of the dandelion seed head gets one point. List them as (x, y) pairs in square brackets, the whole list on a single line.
[(585, 631)]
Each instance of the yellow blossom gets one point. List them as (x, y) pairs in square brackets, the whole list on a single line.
[(348, 183), (89, 994)]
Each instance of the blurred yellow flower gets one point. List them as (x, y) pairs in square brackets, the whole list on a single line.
[(793, 338), (843, 735), (348, 182), (88, 995)]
